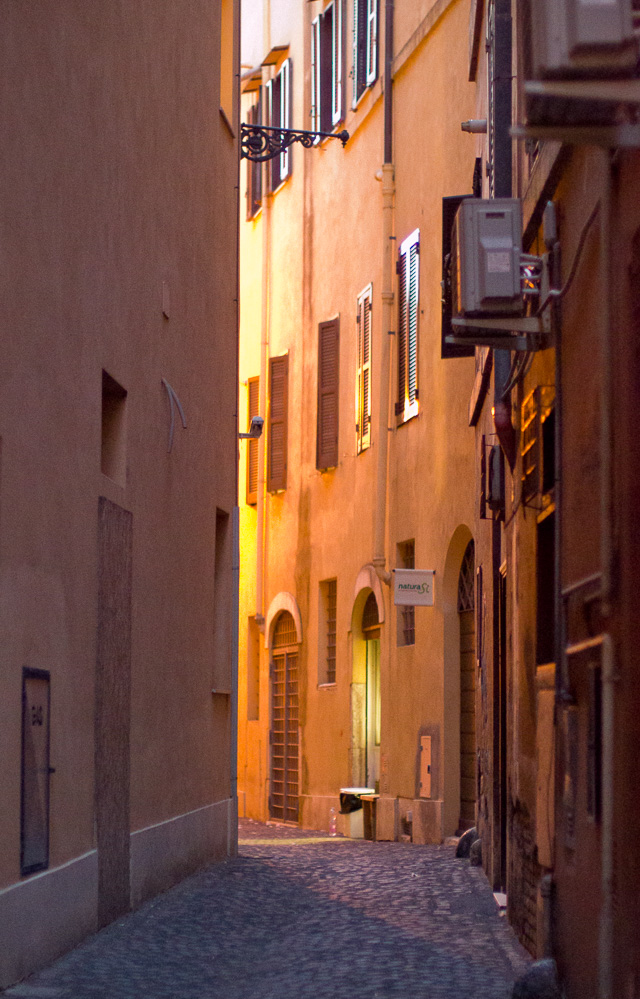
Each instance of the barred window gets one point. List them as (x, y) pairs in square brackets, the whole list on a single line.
[(406, 620), (328, 631)]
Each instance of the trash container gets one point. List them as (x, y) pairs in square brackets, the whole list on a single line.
[(369, 808)]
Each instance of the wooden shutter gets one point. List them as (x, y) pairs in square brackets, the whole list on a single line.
[(449, 208), (254, 170), (402, 333), (413, 284), (336, 64), (408, 298), (372, 41), (277, 431), (328, 394), (285, 115), (363, 387), (315, 74), (360, 28), (252, 445), (326, 72)]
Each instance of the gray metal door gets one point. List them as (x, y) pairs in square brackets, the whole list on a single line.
[(35, 771)]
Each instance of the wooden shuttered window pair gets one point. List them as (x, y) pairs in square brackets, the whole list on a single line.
[(328, 394), (363, 375), (408, 297), (277, 425), (253, 409)]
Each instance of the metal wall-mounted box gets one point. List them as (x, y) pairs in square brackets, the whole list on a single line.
[(582, 38), (485, 265)]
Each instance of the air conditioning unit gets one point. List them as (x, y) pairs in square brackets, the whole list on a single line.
[(577, 38), (485, 258)]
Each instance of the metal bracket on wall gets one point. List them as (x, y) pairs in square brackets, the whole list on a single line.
[(526, 333), (259, 143)]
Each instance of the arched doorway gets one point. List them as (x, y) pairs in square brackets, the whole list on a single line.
[(466, 616), (371, 633), (283, 800)]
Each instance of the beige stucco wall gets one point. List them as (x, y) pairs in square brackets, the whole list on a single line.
[(120, 176), (326, 247)]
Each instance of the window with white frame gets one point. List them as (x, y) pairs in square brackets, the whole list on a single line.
[(408, 299), (327, 102), (363, 374), (365, 46), (279, 116)]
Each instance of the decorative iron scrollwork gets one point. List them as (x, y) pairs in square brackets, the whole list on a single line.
[(260, 142)]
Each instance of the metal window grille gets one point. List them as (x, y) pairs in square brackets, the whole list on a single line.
[(536, 409), (370, 619), (331, 609), (466, 580), (407, 630)]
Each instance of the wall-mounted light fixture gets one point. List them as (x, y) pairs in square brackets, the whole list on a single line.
[(255, 428)]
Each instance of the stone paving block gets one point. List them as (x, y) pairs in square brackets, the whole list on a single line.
[(298, 916)]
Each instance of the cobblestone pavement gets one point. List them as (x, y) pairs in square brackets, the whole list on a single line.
[(302, 916)]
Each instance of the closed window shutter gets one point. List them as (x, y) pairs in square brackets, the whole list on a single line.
[(252, 445), (363, 388), (328, 387), (277, 433)]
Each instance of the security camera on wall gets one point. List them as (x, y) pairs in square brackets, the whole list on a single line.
[(255, 428)]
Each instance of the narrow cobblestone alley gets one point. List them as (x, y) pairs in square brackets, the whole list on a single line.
[(300, 916)]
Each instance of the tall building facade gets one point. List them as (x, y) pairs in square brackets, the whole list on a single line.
[(366, 465), (118, 442), (555, 466)]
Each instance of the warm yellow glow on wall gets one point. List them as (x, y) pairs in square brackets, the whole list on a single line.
[(226, 59)]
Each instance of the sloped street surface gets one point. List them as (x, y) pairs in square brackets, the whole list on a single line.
[(300, 916)]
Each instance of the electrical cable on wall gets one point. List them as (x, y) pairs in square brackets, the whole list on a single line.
[(173, 397)]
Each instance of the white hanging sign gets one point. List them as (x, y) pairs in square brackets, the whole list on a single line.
[(413, 587)]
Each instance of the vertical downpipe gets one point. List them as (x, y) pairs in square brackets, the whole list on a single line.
[(502, 188), (264, 368), (606, 941), (384, 405), (232, 835)]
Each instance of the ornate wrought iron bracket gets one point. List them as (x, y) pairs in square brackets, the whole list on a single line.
[(260, 142)]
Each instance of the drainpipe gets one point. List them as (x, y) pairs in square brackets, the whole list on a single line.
[(264, 368), (606, 941), (388, 254)]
